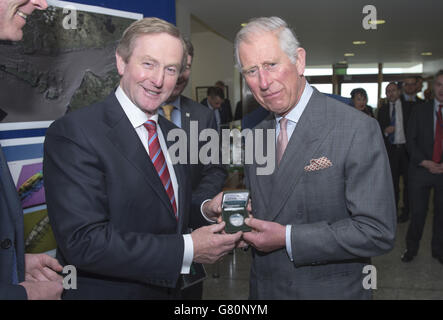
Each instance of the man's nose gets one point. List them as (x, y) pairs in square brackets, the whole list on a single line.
[(40, 4), (263, 79), (157, 77)]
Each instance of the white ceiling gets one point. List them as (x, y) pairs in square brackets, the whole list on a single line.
[(326, 28)]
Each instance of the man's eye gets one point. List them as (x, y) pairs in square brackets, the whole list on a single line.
[(171, 71), (251, 72), (269, 66)]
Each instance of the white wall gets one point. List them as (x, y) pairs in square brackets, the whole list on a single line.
[(432, 67), (213, 60), (183, 23), (213, 56)]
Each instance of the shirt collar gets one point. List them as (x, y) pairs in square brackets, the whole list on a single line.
[(209, 105), (175, 103), (296, 112), (135, 115), (437, 104)]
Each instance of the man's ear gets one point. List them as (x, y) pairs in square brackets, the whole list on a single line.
[(121, 64), (301, 61)]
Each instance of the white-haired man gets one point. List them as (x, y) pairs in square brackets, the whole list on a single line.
[(329, 205)]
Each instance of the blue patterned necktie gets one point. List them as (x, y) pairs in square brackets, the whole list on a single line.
[(391, 136)]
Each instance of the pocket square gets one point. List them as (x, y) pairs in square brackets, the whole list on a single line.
[(318, 164)]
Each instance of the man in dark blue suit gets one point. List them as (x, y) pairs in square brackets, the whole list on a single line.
[(30, 276), (119, 207), (207, 179)]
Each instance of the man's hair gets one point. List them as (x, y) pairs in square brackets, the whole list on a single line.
[(410, 77), (147, 26), (393, 83), (438, 74), (359, 91), (215, 92), (189, 47), (287, 38)]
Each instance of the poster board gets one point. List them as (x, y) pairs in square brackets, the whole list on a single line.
[(53, 71)]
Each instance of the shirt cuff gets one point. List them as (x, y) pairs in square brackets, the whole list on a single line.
[(188, 255), (288, 242), (204, 216)]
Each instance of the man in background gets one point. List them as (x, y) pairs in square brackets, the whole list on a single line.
[(214, 102), (410, 91), (207, 180), (224, 110), (425, 147), (22, 276), (393, 117)]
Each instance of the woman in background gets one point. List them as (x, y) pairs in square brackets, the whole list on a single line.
[(360, 99)]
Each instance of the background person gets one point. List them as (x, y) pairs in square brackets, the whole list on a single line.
[(30, 276)]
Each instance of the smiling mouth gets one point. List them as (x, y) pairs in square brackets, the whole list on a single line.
[(21, 14), (152, 93)]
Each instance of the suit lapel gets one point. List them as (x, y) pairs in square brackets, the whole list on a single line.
[(185, 114), (263, 182), (123, 136), (310, 131), (429, 123)]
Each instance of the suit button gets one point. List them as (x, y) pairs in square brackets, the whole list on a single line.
[(6, 244)]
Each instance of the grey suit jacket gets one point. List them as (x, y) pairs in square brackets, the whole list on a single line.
[(207, 180), (11, 230), (340, 216)]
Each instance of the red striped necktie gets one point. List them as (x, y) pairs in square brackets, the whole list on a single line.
[(159, 162), (438, 140)]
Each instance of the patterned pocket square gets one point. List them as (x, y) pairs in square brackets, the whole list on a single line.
[(318, 164)]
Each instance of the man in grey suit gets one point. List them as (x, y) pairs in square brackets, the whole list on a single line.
[(207, 180), (328, 207), (30, 276)]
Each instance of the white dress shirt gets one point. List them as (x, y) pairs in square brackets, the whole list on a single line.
[(399, 133), (293, 117), (137, 118), (436, 108)]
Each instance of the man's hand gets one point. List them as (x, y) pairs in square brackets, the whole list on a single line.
[(41, 267), (213, 208), (266, 236), (389, 130), (209, 245), (434, 168), (43, 290)]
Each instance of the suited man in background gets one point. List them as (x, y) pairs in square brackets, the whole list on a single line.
[(217, 101), (425, 147), (393, 117), (126, 231), (214, 102), (226, 108), (207, 180), (22, 276), (409, 94), (313, 232)]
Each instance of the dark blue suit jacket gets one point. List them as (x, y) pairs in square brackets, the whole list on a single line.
[(110, 214), (11, 230)]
